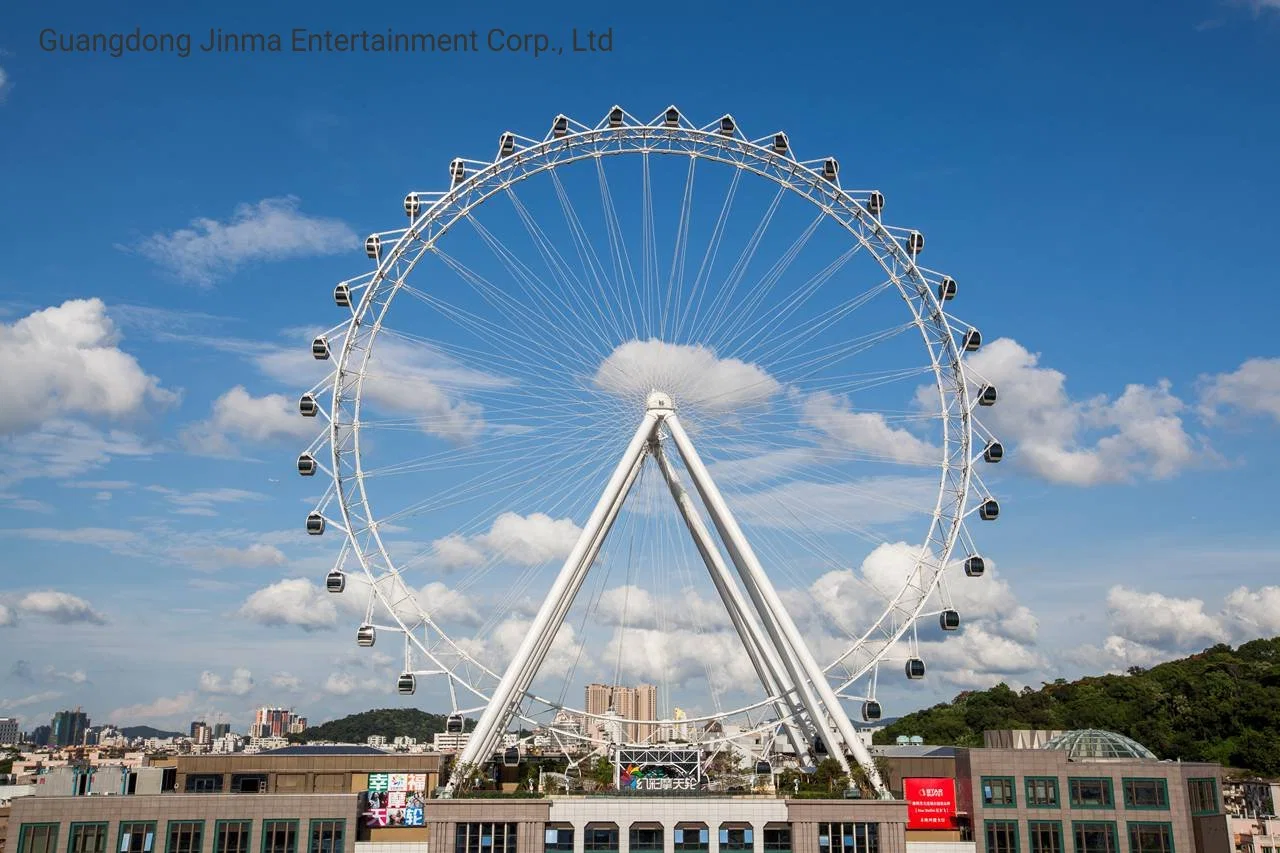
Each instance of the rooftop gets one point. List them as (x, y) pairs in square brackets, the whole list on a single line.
[(326, 749), (1097, 743)]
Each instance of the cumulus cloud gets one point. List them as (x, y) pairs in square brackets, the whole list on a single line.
[(523, 539), (270, 230), (160, 708), (1161, 621), (33, 699), (691, 374), (1253, 613), (240, 683), (867, 433), (832, 507), (7, 617), (295, 601), (286, 681), (60, 607), (683, 657), (257, 556), (65, 360), (6, 85), (63, 448), (442, 603), (238, 416), (499, 646), (202, 501), (1253, 388), (345, 683), (636, 607), (1139, 434)]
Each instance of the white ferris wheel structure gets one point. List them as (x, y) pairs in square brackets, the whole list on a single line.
[(669, 355)]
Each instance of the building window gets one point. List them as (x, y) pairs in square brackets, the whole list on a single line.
[(1045, 836), (1002, 836), (777, 838), (646, 838), (248, 783), (1151, 838), (1092, 793), (204, 783), (849, 837), (279, 836), (185, 836), (1095, 837), (137, 837), (600, 838), (1146, 794), (484, 838), (559, 839), (691, 839), (737, 838), (38, 838), (88, 838), (1042, 792), (326, 836), (1204, 796), (997, 792), (231, 836)]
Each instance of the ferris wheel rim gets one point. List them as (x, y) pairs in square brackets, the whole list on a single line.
[(383, 281)]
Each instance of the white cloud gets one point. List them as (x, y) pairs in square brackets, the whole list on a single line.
[(497, 649), (161, 708), (273, 229), (202, 501), (33, 699), (256, 556), (60, 607), (866, 432), (238, 416), (64, 448), (526, 540), (76, 676), (239, 684), (1161, 621), (7, 616), (295, 601), (1139, 434), (6, 85), (286, 681), (65, 360), (1253, 614), (832, 507), (344, 684), (637, 607), (692, 375), (1253, 388), (683, 657)]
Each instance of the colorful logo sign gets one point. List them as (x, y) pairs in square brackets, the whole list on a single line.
[(394, 799), (638, 778), (931, 802)]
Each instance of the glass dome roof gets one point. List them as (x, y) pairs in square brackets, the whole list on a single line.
[(1096, 743)]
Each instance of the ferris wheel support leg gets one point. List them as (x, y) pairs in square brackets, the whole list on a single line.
[(764, 658), (524, 665), (795, 654)]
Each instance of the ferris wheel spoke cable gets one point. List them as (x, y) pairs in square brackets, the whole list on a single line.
[(622, 275), (693, 307), (679, 254)]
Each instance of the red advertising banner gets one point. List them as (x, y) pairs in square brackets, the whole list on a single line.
[(931, 802)]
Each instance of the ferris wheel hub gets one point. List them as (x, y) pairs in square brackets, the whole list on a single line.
[(659, 401)]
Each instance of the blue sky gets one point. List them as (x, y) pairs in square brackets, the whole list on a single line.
[(1099, 179)]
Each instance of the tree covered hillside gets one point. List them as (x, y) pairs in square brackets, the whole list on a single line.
[(389, 722), (1220, 705)]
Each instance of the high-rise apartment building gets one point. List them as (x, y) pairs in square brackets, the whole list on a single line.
[(201, 733), (8, 730), (634, 703), (221, 730), (68, 727), (276, 722)]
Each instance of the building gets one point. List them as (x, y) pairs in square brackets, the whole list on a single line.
[(9, 731), (201, 733), (221, 730), (68, 728), (276, 722), (1251, 807), (634, 703)]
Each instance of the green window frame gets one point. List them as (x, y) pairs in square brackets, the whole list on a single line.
[(143, 832), (1000, 836), (184, 836), (1137, 844), (327, 835), (40, 837), (232, 836), (1042, 792), (1134, 793), (279, 835), (88, 837), (1203, 793), (1045, 836), (1080, 793), (998, 792), (1082, 842)]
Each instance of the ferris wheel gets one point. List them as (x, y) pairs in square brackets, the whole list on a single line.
[(651, 402)]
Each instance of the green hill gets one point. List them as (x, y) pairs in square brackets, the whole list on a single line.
[(389, 722), (147, 731), (1220, 705)]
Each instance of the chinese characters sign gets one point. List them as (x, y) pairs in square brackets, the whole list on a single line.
[(931, 802), (394, 799)]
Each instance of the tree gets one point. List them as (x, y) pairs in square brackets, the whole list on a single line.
[(831, 775)]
